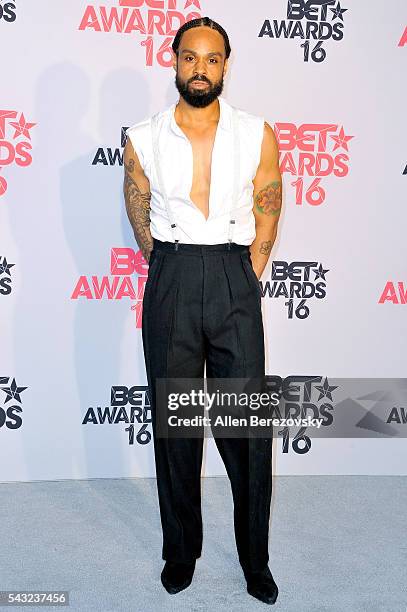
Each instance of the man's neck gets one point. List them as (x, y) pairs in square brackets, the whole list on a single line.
[(191, 116)]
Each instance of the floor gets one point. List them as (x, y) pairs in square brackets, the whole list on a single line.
[(337, 544)]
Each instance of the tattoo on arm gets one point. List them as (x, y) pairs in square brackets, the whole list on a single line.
[(138, 211), (265, 247), (268, 199)]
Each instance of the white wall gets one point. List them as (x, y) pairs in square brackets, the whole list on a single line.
[(62, 213)]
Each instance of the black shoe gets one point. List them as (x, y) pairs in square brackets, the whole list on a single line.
[(261, 585), (177, 576)]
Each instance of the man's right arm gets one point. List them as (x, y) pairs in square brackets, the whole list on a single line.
[(137, 196)]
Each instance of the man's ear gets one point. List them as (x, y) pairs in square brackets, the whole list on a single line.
[(174, 60), (225, 67)]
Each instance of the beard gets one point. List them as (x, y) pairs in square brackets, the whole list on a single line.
[(198, 97)]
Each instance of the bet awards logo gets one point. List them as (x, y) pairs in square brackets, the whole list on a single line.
[(296, 283), (147, 18), (5, 276), (395, 293), (15, 150), (310, 21), (109, 156), (10, 413), (310, 152), (123, 263), (301, 396), (128, 406), (398, 414), (7, 11)]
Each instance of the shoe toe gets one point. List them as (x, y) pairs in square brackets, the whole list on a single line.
[(266, 593), (176, 577), (262, 586)]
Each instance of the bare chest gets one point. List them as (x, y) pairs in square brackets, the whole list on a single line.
[(202, 144)]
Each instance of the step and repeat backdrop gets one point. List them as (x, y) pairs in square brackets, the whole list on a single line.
[(330, 77)]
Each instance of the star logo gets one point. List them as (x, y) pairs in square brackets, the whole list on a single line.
[(341, 140), (22, 127), (5, 267), (13, 392), (337, 12), (325, 390), (320, 272)]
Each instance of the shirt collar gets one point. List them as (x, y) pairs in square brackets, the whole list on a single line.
[(224, 117)]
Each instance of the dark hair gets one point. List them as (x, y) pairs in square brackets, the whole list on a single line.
[(195, 23)]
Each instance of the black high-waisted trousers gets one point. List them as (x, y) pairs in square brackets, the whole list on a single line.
[(203, 303)]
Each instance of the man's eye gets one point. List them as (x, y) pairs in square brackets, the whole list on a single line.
[(189, 57), (215, 60)]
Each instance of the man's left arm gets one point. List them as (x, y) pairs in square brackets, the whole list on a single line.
[(267, 196)]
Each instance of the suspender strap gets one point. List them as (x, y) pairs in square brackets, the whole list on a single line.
[(154, 136), (236, 174)]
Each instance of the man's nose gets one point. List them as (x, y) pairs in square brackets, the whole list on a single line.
[(200, 68)]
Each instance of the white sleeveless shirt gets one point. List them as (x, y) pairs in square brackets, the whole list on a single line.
[(176, 165)]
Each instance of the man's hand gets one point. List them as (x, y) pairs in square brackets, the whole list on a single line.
[(137, 196), (267, 197)]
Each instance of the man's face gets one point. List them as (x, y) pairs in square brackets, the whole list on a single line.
[(200, 66)]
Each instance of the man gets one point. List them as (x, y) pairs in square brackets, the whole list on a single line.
[(202, 189)]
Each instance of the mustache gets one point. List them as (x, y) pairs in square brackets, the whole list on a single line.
[(199, 78)]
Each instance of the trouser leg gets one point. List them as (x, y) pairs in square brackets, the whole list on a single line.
[(173, 348), (234, 339)]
